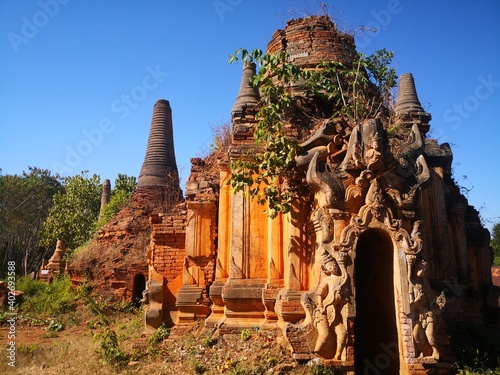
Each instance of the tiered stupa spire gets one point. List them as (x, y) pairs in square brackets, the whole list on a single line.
[(248, 96), (407, 99), (159, 167), (408, 107)]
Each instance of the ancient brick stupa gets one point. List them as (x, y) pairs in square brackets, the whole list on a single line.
[(370, 264), (55, 265), (118, 263)]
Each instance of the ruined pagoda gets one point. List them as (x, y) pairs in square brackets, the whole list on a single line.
[(362, 265)]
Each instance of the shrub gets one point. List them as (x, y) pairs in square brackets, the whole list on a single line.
[(46, 299), (55, 326), (160, 334), (322, 369), (109, 345), (209, 341), (245, 335)]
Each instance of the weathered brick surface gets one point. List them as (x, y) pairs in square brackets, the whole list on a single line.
[(168, 241), (312, 40)]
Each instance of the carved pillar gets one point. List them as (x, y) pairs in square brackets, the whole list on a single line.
[(297, 258), (224, 226), (238, 268), (275, 248), (340, 218), (275, 267), (222, 260)]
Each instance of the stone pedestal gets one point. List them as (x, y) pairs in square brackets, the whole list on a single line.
[(190, 304), (244, 307), (217, 316), (288, 307)]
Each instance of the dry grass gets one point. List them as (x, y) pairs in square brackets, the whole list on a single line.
[(193, 351)]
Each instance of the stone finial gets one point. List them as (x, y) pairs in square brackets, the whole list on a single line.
[(248, 96), (159, 167), (407, 99), (105, 196)]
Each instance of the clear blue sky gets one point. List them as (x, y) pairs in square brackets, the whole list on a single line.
[(78, 79)]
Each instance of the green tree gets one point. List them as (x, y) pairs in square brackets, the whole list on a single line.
[(74, 215), (25, 201), (495, 244), (124, 187), (124, 183)]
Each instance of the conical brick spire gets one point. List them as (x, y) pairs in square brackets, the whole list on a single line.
[(105, 196), (159, 167), (407, 100), (408, 109), (248, 96)]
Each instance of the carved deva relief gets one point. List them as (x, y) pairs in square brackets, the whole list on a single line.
[(327, 334), (425, 304)]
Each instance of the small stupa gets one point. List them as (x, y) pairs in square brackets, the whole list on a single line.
[(408, 108)]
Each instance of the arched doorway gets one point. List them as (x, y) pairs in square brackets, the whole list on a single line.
[(375, 331), (138, 288)]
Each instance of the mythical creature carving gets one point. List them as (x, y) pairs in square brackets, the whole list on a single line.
[(410, 162), (324, 303), (327, 184), (375, 207), (426, 309), (323, 177)]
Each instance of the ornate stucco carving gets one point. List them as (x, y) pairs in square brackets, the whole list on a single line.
[(323, 305), (426, 307)]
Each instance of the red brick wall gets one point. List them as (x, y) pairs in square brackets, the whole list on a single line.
[(168, 236)]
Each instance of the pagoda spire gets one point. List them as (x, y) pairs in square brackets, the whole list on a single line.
[(248, 96), (407, 99), (159, 167), (105, 196), (408, 108)]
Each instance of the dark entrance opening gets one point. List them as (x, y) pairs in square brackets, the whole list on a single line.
[(138, 288), (375, 331)]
